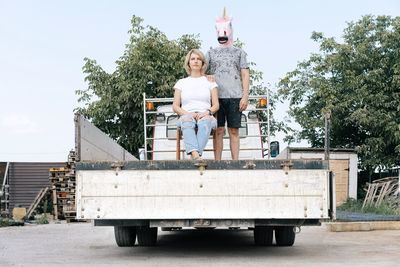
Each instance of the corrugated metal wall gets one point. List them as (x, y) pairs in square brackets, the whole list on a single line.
[(26, 179)]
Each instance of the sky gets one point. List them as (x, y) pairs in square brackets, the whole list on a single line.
[(43, 44)]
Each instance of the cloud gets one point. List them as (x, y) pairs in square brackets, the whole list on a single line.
[(17, 124)]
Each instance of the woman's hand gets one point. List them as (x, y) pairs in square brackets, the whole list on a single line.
[(197, 115), (191, 114), (201, 115)]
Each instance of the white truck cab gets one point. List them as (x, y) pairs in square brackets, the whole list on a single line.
[(165, 135)]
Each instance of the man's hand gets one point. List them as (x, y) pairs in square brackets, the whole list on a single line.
[(243, 103), (211, 78)]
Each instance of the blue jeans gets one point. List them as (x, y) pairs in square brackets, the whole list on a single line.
[(196, 141)]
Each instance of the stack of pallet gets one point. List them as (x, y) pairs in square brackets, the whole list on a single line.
[(63, 190), (385, 189)]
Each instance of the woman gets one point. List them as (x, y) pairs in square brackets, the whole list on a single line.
[(195, 101)]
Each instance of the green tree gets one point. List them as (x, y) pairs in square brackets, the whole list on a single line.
[(358, 82), (152, 64), (258, 87)]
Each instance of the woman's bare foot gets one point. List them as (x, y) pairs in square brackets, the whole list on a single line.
[(195, 155)]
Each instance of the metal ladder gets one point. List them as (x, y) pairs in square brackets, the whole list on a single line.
[(152, 111), (5, 193)]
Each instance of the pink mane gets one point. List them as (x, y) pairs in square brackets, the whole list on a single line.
[(223, 19)]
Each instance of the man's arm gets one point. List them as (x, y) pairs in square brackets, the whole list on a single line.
[(210, 76), (245, 76)]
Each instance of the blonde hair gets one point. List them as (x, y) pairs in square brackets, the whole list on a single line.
[(187, 59)]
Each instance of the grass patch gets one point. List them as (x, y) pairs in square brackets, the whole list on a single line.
[(4, 222), (42, 219), (385, 208)]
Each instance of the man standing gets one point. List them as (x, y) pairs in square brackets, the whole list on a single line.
[(229, 66)]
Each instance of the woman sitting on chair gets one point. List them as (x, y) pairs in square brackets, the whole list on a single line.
[(195, 101)]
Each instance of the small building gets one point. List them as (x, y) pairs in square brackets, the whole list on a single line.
[(343, 163), (22, 181)]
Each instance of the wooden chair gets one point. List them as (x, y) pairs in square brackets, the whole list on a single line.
[(179, 138), (178, 143)]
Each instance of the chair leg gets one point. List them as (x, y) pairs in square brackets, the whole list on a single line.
[(178, 144)]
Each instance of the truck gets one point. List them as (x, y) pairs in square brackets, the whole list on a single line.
[(164, 190)]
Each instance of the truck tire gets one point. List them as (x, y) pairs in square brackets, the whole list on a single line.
[(125, 236), (147, 236), (263, 235), (285, 236)]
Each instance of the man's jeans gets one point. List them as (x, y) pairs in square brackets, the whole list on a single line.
[(196, 141)]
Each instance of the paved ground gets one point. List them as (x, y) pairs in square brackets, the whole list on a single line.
[(81, 244)]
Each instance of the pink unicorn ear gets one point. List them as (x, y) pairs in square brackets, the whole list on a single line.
[(224, 13)]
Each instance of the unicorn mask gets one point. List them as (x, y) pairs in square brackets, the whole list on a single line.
[(224, 29)]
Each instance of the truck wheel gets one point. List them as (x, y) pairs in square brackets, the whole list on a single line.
[(263, 235), (285, 236), (125, 236), (147, 237)]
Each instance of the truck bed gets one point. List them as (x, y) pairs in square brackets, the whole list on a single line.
[(244, 189)]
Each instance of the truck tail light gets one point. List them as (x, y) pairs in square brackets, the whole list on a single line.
[(262, 103), (149, 106)]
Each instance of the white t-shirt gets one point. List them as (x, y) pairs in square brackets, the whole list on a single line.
[(195, 93)]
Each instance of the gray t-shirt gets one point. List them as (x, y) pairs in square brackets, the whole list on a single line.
[(226, 63)]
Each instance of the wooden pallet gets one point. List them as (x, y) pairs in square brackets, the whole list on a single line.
[(63, 185), (36, 202), (379, 190)]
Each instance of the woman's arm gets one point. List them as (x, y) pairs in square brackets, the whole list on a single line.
[(214, 104), (176, 105)]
